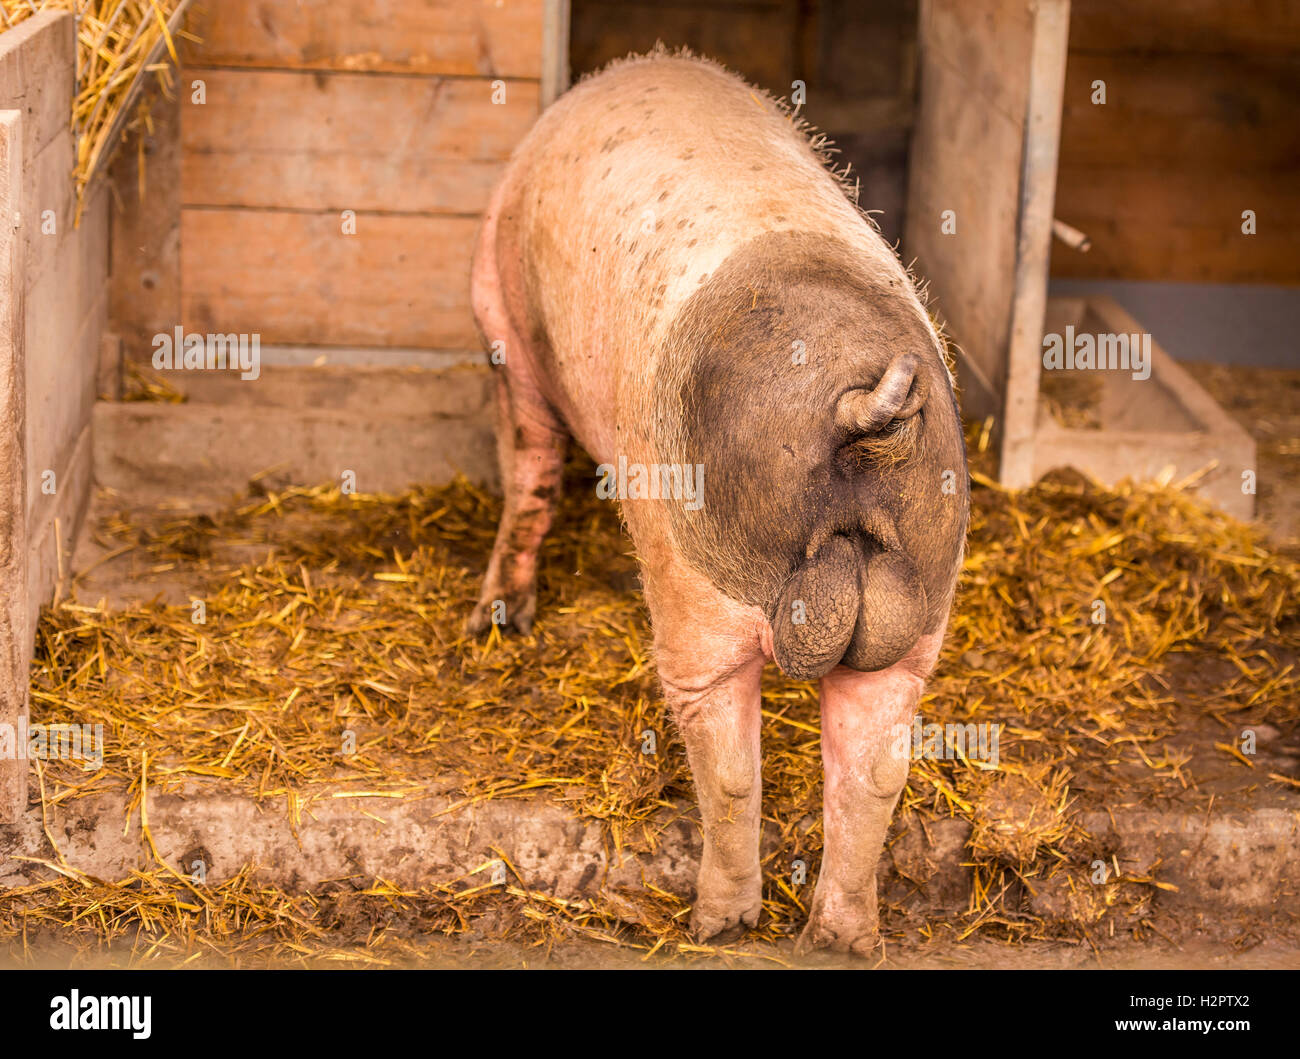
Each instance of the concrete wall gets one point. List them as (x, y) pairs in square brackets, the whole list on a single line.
[(56, 293)]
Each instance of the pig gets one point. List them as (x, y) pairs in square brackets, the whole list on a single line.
[(670, 273)]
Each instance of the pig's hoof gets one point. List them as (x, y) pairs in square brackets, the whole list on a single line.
[(712, 918), (856, 935), (512, 612)]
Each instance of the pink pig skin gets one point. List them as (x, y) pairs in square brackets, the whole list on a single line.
[(660, 243)]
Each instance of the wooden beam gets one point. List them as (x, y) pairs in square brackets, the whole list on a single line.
[(1034, 243), (318, 141), (555, 50), (463, 38), (15, 649)]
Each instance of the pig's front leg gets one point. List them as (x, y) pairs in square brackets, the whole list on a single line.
[(710, 664), (864, 774)]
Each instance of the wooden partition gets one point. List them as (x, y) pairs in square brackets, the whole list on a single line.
[(53, 307), (336, 156), (14, 652), (980, 197)]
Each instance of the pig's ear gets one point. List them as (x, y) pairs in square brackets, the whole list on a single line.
[(899, 394)]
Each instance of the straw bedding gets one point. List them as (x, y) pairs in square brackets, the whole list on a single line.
[(329, 612)]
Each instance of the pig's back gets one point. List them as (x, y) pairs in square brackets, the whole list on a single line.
[(620, 203)]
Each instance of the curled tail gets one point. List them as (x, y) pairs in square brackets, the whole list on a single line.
[(898, 395), (855, 600)]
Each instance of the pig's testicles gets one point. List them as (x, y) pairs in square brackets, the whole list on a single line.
[(868, 611)]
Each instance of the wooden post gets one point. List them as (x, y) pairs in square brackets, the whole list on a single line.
[(1034, 239), (981, 188), (555, 50), (13, 474)]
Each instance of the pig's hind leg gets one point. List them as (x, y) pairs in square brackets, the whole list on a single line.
[(710, 662), (531, 444), (865, 770)]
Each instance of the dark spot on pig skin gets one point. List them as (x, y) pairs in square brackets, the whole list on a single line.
[(764, 429)]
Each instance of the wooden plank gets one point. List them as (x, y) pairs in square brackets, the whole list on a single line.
[(1179, 224), (52, 537), (38, 68), (66, 310), (475, 38), (1202, 112), (987, 43), (1034, 243), (1195, 252), (50, 202), (295, 278), (1173, 197), (555, 50), (15, 648), (967, 158), (1159, 175), (209, 451), (145, 291), (338, 141), (1238, 27)]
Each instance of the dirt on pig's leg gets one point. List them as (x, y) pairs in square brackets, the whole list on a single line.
[(531, 444), (710, 664), (864, 774)]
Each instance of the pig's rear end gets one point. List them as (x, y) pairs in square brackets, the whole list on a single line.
[(678, 282)]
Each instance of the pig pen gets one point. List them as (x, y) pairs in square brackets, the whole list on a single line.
[(307, 762), (326, 769)]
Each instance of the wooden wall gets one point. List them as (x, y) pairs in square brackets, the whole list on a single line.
[(1201, 122), (856, 58), (65, 295), (316, 107), (53, 306)]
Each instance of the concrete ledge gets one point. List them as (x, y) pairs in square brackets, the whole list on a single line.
[(1243, 860)]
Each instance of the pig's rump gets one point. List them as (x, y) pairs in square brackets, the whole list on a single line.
[(680, 279)]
